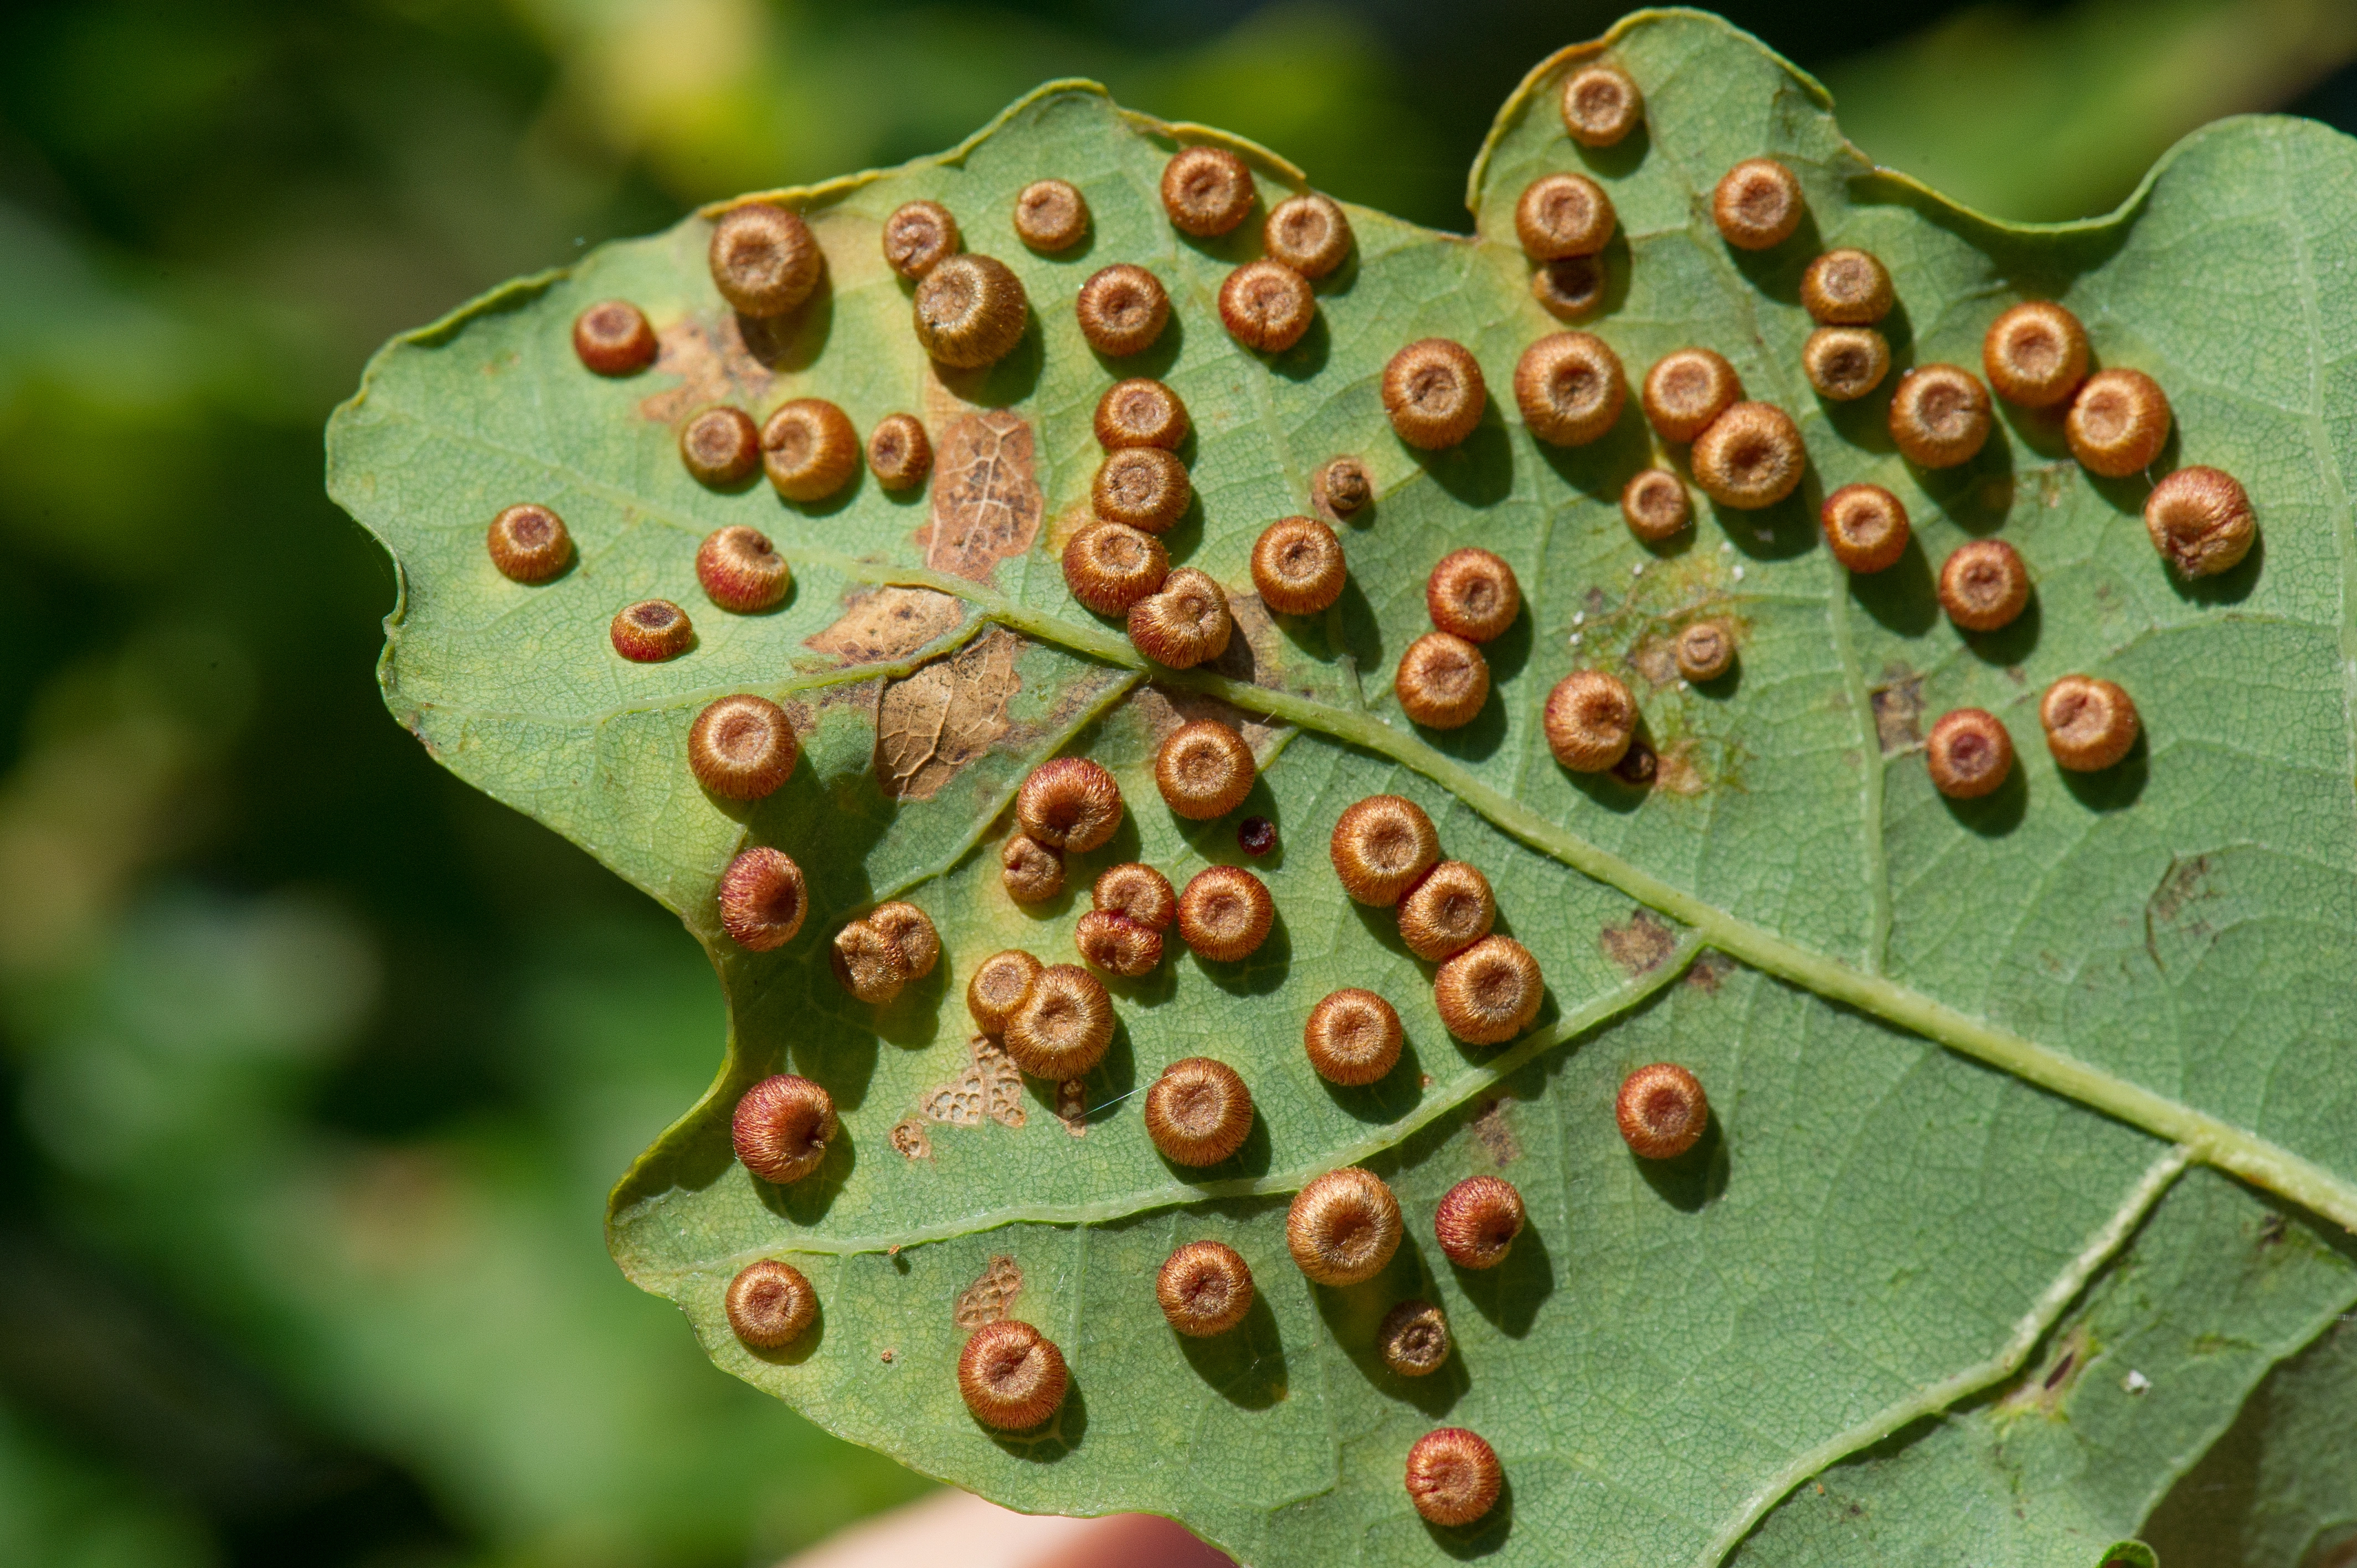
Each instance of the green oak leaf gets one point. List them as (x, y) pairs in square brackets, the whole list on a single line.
[(1957, 1054)]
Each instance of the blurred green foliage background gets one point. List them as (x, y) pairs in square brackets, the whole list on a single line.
[(314, 1065)]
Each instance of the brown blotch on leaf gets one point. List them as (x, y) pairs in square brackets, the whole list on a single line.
[(945, 717), (1476, 1221), (1661, 1110), (1969, 754), (1199, 1111), (1051, 215), (1310, 233), (1204, 1288), (1206, 191), (990, 1089), (742, 747), (1898, 705), (651, 631), (1641, 944), (769, 1305), (991, 1295), (529, 544), (762, 899), (1413, 1338), (880, 624), (613, 337), (1453, 1476), (986, 502), (1352, 1037), (741, 570), (1011, 1376), (781, 1127), (1343, 1227), (2199, 519), (1489, 992)]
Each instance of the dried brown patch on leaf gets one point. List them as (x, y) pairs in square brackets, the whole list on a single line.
[(882, 624), (1643, 943), (2044, 1389), (1675, 770), (911, 1140), (986, 500), (1164, 711), (988, 1299), (1255, 653), (713, 366), (1656, 659), (1898, 709), (945, 717), (989, 1090), (2185, 882), (1073, 1106), (1490, 1131), (1709, 971)]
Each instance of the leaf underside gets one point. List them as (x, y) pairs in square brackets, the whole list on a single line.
[(1959, 1055)]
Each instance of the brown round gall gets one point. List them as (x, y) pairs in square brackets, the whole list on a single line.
[(1655, 505), (1983, 585), (2036, 354), (1011, 1376), (1117, 944), (1062, 1026), (1570, 388), (1297, 567), (1477, 1220), (1138, 891), (1204, 1288), (613, 337), (1473, 595), (762, 899), (1121, 310), (1204, 770), (970, 311), (1969, 754), (1144, 487), (1069, 803), (900, 454), (1758, 204), (809, 449), (1600, 106), (769, 1305), (1352, 1037), (998, 987), (910, 930), (1569, 289), (1140, 412), (1661, 1110), (1031, 872), (1442, 682), (2200, 521), (765, 261), (2091, 724), (1110, 566), (1687, 389), (1940, 416), (1309, 234), (1413, 1338), (1184, 623), (1704, 651), (1051, 215), (1589, 721), (2117, 424), (782, 1126), (1207, 191), (1865, 526), (1562, 215), (1382, 846), (1453, 1476), (1342, 487), (1489, 992), (741, 570), (1847, 287), (1434, 393), (1199, 1111), (1266, 306), (1225, 912), (529, 544), (1446, 912), (1343, 1227), (868, 964), (1750, 457), (918, 237), (742, 747), (651, 631), (1845, 363), (720, 446)]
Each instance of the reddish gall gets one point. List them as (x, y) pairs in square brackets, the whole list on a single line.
[(1473, 595), (809, 449), (2200, 521), (1121, 310), (1661, 1110), (1489, 992), (1477, 1220), (1061, 1028), (1031, 872), (1756, 204), (1069, 803), (764, 260), (1199, 1111), (1204, 1288), (1310, 233), (1266, 306), (741, 570), (1434, 393), (868, 964), (1570, 388), (1940, 416), (1453, 1476), (1413, 1338), (2089, 723), (1137, 891), (1569, 289), (1969, 754), (742, 747), (782, 1126), (1051, 215), (1383, 847), (2117, 424), (1011, 1376), (1204, 770), (1183, 624), (1207, 191), (1117, 944), (1600, 104), (1845, 288), (1750, 457), (1352, 1037), (970, 311), (762, 899), (1562, 215), (1255, 836), (1297, 567), (918, 236), (899, 453), (2036, 354), (1655, 505), (1110, 566), (1983, 585), (1704, 651), (721, 446), (1845, 363), (1343, 1227), (1342, 487), (1589, 721), (1140, 412), (1446, 912), (1687, 389), (1865, 526), (651, 631), (614, 338), (1225, 912), (1144, 487), (910, 930), (529, 544), (769, 1305), (998, 987), (1442, 682)]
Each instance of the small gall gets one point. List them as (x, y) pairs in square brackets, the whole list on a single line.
[(2117, 424), (742, 747), (1590, 719), (741, 570), (1342, 487), (1199, 1111), (1031, 872), (809, 449), (1703, 652), (1297, 567), (1845, 363), (2200, 521), (1600, 106), (1051, 216), (762, 899), (1204, 1288), (721, 446), (1569, 289), (1144, 487), (1207, 191), (1123, 310), (1758, 204), (769, 1305), (1655, 506), (1845, 288), (899, 453), (1940, 416), (1309, 234), (1570, 388), (2036, 354), (765, 261), (910, 930), (1225, 912), (1111, 566), (1343, 1227), (1562, 215), (1446, 912), (613, 338), (1473, 595), (1069, 803), (1477, 1222), (1266, 306), (918, 237), (1434, 393), (1969, 754), (1382, 845), (998, 987), (651, 631), (1062, 1026), (1442, 682), (1453, 1476), (1661, 1110), (1413, 1338), (1140, 412), (1687, 389), (1489, 992), (1751, 456), (1255, 836), (1184, 624), (1983, 585), (1117, 944), (529, 544), (1352, 1037), (2089, 723), (1865, 526), (970, 312), (1011, 1376), (868, 964), (1205, 770), (781, 1127), (1137, 891)]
